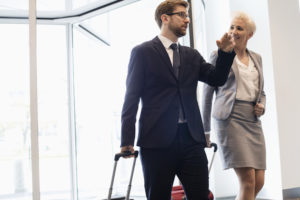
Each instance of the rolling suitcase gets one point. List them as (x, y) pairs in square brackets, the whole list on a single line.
[(117, 157), (178, 192)]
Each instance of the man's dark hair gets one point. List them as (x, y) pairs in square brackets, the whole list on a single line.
[(168, 6)]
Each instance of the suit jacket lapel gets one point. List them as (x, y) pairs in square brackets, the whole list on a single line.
[(163, 54), (182, 62)]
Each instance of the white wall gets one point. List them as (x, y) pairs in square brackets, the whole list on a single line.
[(285, 32)]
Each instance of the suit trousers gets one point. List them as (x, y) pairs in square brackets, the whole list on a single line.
[(184, 158)]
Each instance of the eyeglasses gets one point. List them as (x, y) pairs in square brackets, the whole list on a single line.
[(183, 15)]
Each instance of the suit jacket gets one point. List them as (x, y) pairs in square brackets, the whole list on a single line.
[(151, 79), (225, 95)]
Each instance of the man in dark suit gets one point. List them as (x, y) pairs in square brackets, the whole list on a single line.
[(164, 77)]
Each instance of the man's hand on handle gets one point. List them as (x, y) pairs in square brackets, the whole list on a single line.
[(128, 148), (207, 137)]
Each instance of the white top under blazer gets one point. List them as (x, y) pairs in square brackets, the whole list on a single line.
[(247, 82)]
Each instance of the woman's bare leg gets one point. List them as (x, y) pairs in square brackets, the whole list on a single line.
[(259, 180), (246, 178)]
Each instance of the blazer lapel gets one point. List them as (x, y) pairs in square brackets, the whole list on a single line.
[(182, 62), (258, 67), (235, 70), (163, 54)]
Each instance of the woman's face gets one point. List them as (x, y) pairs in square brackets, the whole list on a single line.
[(238, 30)]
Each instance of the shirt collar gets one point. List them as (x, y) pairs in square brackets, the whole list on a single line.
[(166, 41)]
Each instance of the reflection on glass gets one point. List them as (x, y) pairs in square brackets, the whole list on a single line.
[(52, 84), (15, 163)]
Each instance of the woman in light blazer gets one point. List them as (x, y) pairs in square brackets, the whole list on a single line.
[(237, 107)]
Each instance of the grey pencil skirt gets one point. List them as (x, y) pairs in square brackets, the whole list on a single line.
[(241, 139)]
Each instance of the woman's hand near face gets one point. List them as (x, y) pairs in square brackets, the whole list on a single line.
[(259, 109)]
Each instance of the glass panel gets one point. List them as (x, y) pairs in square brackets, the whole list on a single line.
[(80, 3), (94, 137), (13, 5), (100, 73), (51, 5), (102, 29), (15, 163), (199, 27), (54, 146), (42, 5)]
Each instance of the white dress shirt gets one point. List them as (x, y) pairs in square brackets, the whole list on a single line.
[(167, 43)]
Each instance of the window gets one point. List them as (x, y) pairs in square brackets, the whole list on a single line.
[(15, 163), (101, 48), (54, 145)]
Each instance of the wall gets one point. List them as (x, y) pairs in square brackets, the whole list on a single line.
[(285, 31)]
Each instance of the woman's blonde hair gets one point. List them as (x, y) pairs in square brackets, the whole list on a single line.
[(251, 27)]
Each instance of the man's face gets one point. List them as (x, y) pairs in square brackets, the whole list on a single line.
[(179, 21)]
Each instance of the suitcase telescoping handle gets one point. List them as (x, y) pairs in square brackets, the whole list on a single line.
[(125, 153), (117, 157), (215, 146)]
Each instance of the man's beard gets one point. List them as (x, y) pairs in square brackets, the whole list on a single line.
[(178, 31)]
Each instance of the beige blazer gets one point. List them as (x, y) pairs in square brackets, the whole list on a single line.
[(226, 94)]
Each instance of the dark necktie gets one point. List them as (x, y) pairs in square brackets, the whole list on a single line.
[(176, 59), (176, 64)]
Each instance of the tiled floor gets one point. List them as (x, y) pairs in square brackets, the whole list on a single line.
[(231, 198), (224, 198)]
